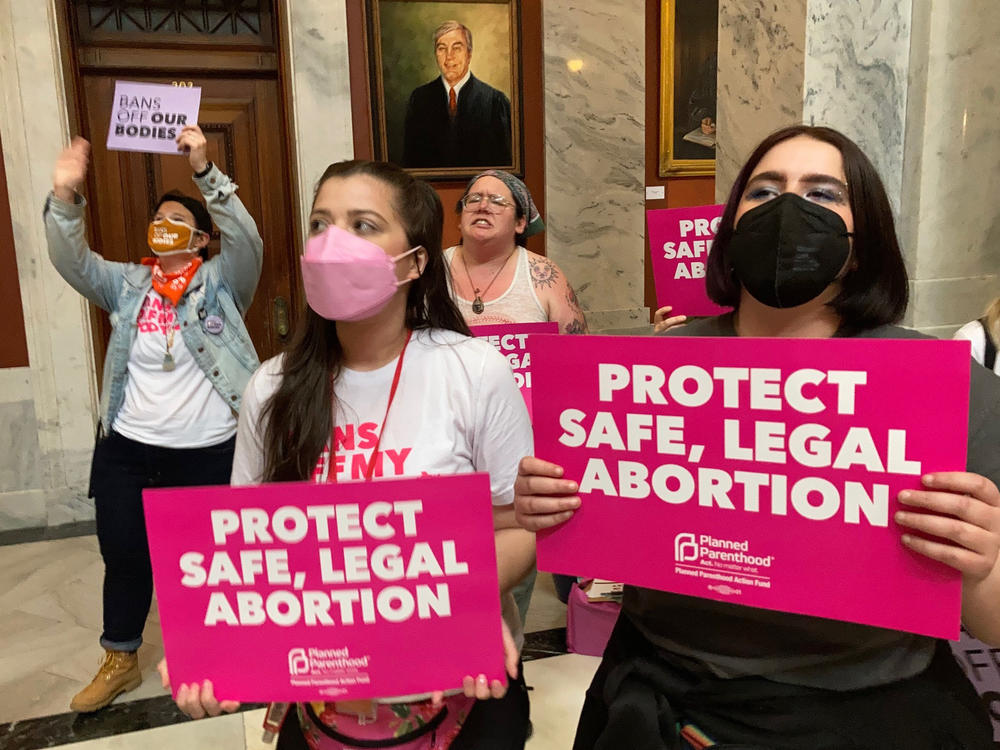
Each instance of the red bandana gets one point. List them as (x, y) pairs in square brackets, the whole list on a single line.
[(172, 285)]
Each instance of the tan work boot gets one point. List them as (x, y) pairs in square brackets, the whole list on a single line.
[(119, 672)]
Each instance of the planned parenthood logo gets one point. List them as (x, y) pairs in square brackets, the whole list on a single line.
[(722, 562), (317, 662), (685, 547), (705, 549), (298, 661)]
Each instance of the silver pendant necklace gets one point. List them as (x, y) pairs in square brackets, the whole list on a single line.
[(478, 306), (168, 358)]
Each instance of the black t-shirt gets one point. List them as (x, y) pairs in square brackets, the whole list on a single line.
[(729, 640)]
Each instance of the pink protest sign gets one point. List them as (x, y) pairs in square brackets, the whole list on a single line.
[(148, 117), (762, 472), (679, 241), (300, 591), (511, 341)]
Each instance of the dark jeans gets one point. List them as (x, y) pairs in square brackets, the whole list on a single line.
[(491, 725), (935, 710), (121, 470)]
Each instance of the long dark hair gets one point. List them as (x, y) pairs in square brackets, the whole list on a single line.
[(875, 291), (299, 414)]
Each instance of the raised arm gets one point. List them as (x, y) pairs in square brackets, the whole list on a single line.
[(87, 272), (242, 254)]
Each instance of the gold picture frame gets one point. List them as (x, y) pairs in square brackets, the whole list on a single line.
[(688, 70), (411, 124)]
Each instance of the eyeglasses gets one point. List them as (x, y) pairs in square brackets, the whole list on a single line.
[(496, 203)]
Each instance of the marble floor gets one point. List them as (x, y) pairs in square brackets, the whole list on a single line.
[(50, 622)]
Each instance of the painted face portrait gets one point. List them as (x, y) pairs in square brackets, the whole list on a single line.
[(453, 56)]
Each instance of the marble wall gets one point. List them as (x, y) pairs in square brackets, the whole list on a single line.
[(320, 90), (857, 59), (952, 171), (841, 63), (912, 83), (761, 74), (595, 155)]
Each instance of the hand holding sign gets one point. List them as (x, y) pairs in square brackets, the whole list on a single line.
[(193, 142), (324, 585), (196, 700), (962, 510), (542, 498), (744, 461), (479, 687), (71, 169), (663, 323), (149, 117)]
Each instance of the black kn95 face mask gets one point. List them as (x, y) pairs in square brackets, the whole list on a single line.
[(787, 251)]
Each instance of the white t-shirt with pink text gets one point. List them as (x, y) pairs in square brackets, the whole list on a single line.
[(457, 410), (177, 408)]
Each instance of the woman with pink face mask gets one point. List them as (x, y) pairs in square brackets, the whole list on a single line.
[(382, 379), (177, 361)]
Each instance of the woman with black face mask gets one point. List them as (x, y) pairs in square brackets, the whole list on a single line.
[(806, 248)]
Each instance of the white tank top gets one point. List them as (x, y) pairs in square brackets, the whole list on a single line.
[(518, 304)]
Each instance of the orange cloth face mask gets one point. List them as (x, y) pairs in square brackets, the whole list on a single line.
[(168, 237)]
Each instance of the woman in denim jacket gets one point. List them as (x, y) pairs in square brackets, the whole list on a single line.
[(177, 362)]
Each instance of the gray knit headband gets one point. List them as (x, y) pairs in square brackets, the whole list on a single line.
[(521, 195)]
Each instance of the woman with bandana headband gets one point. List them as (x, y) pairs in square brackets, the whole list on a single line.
[(495, 280), (806, 248), (381, 378), (177, 362)]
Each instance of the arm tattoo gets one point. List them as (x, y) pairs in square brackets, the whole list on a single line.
[(543, 273), (571, 298), (579, 322)]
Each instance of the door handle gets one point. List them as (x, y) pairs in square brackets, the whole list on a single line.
[(280, 315)]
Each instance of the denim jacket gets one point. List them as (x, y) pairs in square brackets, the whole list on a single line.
[(222, 289)]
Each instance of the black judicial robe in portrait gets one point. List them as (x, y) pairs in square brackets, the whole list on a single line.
[(478, 136)]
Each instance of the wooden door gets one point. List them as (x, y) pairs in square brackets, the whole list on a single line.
[(241, 114), (242, 121)]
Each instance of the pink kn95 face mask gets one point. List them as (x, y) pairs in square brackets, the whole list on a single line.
[(346, 277)]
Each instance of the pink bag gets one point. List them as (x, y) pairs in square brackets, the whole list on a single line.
[(589, 624)]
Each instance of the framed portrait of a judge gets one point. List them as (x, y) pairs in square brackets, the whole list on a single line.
[(445, 82), (689, 41)]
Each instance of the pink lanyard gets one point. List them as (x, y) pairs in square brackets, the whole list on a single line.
[(331, 469)]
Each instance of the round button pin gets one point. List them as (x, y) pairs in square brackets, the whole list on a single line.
[(214, 324)]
